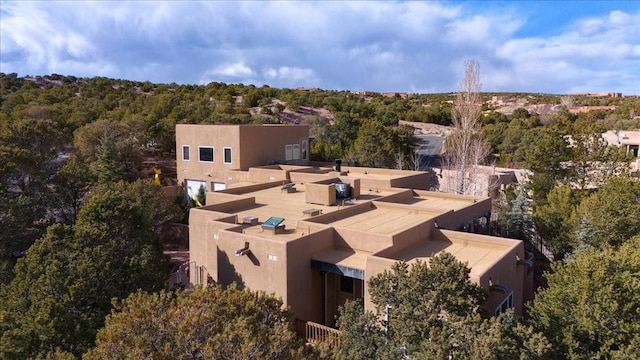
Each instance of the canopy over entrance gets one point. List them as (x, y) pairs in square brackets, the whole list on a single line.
[(341, 261)]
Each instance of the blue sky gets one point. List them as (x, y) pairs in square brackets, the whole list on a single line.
[(554, 47)]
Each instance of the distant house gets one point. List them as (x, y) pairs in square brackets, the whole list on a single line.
[(630, 140)]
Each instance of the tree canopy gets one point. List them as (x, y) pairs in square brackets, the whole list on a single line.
[(208, 323), (591, 309), (64, 286), (432, 310), (610, 216)]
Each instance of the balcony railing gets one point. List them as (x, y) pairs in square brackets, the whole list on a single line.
[(314, 333)]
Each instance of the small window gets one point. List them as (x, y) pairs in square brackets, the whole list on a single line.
[(185, 152), (227, 155), (206, 154)]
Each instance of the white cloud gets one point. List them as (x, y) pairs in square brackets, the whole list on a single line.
[(237, 70), (382, 46), (291, 76)]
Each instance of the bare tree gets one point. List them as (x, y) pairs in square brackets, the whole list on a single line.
[(416, 160), (567, 101), (399, 158), (465, 149), (479, 151)]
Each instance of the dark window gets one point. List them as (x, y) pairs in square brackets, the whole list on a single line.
[(346, 284), (185, 152), (206, 154), (227, 155)]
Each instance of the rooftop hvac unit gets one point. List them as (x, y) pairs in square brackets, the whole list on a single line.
[(343, 190)]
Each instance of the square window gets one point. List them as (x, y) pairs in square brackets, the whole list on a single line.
[(206, 154), (227, 155), (185, 152)]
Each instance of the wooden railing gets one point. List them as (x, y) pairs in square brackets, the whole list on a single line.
[(315, 332)]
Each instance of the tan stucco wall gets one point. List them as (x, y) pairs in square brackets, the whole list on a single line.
[(218, 136), (307, 177), (505, 270), (305, 285), (375, 265), (402, 196), (202, 246), (261, 269), (262, 145), (266, 174), (320, 194), (265, 144), (171, 191), (235, 176), (417, 181), (412, 235), (374, 178)]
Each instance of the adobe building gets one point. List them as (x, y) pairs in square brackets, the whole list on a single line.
[(630, 140), (314, 235), (208, 155)]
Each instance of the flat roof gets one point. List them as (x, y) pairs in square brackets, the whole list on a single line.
[(369, 213), (290, 206), (438, 202), (480, 255), (381, 219), (376, 173)]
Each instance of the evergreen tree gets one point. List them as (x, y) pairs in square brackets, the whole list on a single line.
[(591, 309), (432, 311), (611, 215), (519, 222), (208, 323), (553, 220), (64, 286)]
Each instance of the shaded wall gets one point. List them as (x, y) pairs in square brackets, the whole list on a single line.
[(305, 285)]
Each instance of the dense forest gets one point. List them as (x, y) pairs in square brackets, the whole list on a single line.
[(74, 156)]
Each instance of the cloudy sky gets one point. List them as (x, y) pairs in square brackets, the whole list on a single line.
[(405, 46)]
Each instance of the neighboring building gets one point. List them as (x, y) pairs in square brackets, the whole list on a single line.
[(630, 140), (314, 235), (482, 180)]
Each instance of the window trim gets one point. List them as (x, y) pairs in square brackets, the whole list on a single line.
[(344, 285), (507, 303), (188, 153), (304, 149), (213, 154), (224, 155)]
